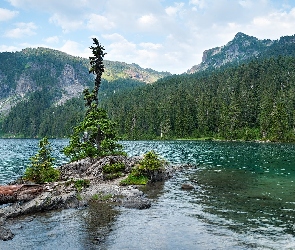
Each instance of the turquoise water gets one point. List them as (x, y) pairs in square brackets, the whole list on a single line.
[(244, 198)]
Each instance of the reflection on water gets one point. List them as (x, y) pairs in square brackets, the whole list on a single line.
[(67, 229), (244, 198), (98, 219)]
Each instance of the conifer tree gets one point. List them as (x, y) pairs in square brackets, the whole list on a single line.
[(96, 135)]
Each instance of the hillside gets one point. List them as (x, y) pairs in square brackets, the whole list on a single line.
[(22, 73), (242, 49), (254, 101)]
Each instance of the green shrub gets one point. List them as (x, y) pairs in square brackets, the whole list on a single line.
[(112, 171), (41, 169), (144, 171), (113, 168), (80, 184)]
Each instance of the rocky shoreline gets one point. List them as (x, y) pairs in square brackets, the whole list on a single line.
[(22, 198)]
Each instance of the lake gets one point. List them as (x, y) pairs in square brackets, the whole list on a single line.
[(244, 198)]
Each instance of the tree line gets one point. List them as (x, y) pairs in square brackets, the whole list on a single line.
[(254, 101)]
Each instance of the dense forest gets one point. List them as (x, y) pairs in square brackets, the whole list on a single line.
[(38, 116), (254, 101)]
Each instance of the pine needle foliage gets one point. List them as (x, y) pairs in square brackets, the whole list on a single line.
[(41, 169), (96, 135)]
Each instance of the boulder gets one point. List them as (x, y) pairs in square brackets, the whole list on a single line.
[(187, 186), (5, 234)]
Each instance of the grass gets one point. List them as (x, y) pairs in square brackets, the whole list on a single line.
[(78, 184), (101, 197), (135, 180)]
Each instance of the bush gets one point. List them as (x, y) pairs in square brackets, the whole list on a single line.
[(80, 184), (41, 169), (112, 171), (144, 171)]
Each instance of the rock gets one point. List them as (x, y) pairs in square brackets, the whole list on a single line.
[(187, 186), (136, 203), (5, 234), (92, 168)]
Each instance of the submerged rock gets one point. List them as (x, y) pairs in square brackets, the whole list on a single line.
[(5, 234), (136, 203), (187, 186)]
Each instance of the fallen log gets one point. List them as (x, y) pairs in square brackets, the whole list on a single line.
[(14, 193)]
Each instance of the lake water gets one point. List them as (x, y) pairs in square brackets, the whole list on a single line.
[(244, 198)]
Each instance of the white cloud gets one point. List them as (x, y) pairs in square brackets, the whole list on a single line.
[(146, 20), (5, 48), (246, 3), (173, 10), (151, 46), (273, 25), (98, 23), (120, 49), (54, 5), (75, 48), (6, 15), (65, 23), (164, 35), (199, 3), (113, 37), (52, 39), (22, 30)]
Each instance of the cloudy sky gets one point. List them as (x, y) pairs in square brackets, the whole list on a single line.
[(165, 35)]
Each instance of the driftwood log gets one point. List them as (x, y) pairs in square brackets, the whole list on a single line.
[(14, 193)]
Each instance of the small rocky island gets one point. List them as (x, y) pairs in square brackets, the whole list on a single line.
[(80, 182)]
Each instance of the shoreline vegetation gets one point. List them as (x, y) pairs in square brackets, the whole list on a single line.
[(169, 139)]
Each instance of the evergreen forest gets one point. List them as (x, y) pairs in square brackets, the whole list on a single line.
[(250, 101), (253, 101)]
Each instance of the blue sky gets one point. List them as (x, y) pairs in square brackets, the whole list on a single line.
[(163, 35)]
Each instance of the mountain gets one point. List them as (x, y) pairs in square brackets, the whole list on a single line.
[(242, 49), (63, 76)]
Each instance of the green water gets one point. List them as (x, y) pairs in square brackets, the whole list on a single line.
[(244, 198)]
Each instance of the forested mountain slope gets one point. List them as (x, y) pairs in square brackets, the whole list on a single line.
[(65, 76), (36, 83), (251, 101)]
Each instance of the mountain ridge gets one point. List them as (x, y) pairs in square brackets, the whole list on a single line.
[(33, 69), (239, 50)]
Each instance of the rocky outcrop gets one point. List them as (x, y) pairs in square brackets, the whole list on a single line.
[(21, 198), (242, 49), (92, 168)]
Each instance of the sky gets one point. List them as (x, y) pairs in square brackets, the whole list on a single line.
[(164, 35)]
